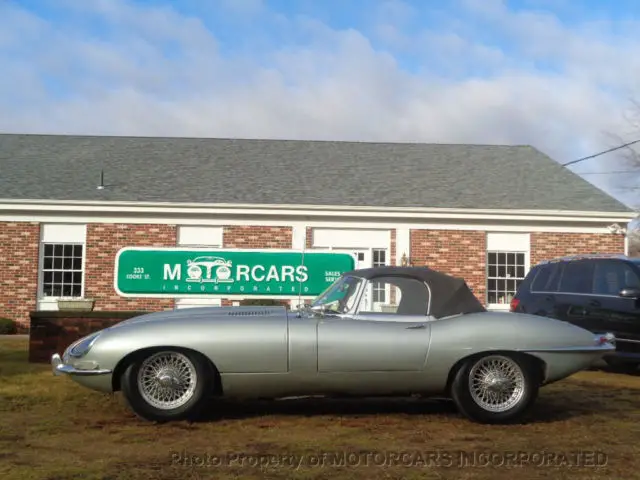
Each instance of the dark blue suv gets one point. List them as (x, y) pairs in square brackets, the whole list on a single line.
[(600, 293)]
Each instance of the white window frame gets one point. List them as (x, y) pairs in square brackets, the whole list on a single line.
[(387, 288), (60, 234), (199, 236), (506, 243)]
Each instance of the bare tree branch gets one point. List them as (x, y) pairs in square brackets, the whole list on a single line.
[(633, 235), (627, 158), (629, 155), (632, 117)]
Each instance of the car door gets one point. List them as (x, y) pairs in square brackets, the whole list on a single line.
[(541, 299), (571, 301), (608, 311), (394, 339)]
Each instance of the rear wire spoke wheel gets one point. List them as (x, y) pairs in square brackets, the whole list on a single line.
[(496, 383), (495, 388), (167, 385)]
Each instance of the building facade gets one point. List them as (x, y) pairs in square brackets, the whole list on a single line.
[(61, 239), (48, 257)]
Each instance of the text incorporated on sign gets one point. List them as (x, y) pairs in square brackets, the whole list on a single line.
[(181, 272)]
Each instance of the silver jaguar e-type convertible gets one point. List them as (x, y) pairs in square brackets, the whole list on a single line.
[(386, 331)]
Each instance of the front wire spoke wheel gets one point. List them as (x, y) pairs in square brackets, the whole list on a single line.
[(167, 380)]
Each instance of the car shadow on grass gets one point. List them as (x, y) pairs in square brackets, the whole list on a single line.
[(545, 410), (620, 370)]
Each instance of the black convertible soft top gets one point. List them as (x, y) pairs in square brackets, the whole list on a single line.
[(449, 295)]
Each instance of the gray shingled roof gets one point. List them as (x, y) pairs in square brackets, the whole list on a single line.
[(59, 167)]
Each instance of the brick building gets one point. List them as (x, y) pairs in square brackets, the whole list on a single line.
[(68, 204)]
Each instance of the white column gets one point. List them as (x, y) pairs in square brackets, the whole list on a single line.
[(299, 237)]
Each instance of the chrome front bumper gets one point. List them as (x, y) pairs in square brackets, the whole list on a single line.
[(58, 367)]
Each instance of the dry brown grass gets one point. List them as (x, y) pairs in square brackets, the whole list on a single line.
[(54, 429)]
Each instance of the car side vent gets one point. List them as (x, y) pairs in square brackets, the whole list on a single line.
[(251, 313)]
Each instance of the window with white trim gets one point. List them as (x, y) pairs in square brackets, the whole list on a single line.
[(507, 265), (379, 259), (506, 271), (62, 271), (62, 254)]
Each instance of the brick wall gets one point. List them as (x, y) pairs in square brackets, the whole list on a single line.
[(257, 237), (545, 245), (309, 238), (392, 248), (459, 253), (103, 242), (19, 253), (463, 253)]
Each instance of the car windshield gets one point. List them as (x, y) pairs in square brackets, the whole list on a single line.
[(341, 296)]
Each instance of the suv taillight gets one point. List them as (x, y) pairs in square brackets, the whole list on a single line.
[(514, 304)]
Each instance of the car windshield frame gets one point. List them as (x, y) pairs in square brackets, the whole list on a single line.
[(347, 289)]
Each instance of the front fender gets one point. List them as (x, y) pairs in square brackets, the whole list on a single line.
[(253, 344)]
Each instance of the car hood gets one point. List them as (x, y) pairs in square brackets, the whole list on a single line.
[(208, 313)]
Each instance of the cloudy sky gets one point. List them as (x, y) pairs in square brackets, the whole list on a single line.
[(560, 75)]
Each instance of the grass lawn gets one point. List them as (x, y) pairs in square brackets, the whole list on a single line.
[(53, 429)]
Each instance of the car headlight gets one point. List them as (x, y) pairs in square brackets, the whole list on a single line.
[(82, 346)]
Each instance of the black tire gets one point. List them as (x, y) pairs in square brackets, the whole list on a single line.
[(519, 403), (140, 400)]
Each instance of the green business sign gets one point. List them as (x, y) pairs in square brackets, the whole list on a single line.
[(178, 272)]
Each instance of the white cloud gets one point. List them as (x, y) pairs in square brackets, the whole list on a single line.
[(160, 72)]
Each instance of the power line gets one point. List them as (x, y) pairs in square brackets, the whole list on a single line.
[(600, 153), (615, 172)]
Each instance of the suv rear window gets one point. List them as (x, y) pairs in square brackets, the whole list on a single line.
[(548, 278)]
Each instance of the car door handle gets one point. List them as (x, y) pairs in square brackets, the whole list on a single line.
[(415, 327), (594, 303), (549, 298)]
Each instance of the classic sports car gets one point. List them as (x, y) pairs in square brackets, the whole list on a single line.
[(386, 331)]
